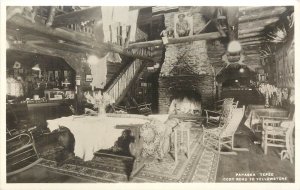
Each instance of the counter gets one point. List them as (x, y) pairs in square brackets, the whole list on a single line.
[(36, 114)]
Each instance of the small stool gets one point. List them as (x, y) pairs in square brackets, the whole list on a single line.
[(182, 138)]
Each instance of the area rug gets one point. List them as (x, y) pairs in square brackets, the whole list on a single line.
[(201, 166)]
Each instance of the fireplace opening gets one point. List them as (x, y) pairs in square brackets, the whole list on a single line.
[(185, 102)]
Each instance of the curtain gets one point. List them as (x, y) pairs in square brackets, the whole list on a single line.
[(118, 16)]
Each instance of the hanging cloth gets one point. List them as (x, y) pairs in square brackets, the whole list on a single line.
[(98, 70), (107, 18), (113, 17), (132, 22)]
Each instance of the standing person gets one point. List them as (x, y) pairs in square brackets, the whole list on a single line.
[(182, 26)]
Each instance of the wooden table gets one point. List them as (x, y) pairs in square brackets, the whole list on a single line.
[(93, 133), (254, 114)]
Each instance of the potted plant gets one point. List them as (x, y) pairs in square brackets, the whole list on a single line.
[(100, 101), (267, 91)]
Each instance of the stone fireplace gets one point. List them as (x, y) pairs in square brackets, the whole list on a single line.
[(186, 75)]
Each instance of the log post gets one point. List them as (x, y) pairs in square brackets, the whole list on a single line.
[(51, 16), (233, 22)]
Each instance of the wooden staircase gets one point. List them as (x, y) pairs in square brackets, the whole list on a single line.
[(119, 87)]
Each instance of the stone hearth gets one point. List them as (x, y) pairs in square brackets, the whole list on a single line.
[(200, 87)]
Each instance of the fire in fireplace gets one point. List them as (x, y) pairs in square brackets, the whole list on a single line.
[(185, 102)]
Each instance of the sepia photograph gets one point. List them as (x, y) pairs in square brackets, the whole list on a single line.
[(149, 94)]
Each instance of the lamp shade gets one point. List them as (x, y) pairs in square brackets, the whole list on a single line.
[(17, 65), (36, 67), (234, 47)]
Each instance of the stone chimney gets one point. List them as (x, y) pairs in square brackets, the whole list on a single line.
[(186, 68)]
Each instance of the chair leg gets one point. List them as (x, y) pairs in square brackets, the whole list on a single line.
[(219, 145), (188, 143), (232, 141), (262, 139), (175, 147), (289, 146), (265, 143)]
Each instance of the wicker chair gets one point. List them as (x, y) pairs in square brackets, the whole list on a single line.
[(223, 135)]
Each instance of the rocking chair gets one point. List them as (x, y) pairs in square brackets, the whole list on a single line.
[(21, 153), (223, 136)]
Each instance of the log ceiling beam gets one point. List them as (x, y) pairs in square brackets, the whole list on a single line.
[(74, 37), (258, 23), (256, 51), (252, 42), (250, 47), (251, 30), (78, 38), (76, 17), (252, 8), (204, 36), (253, 54), (30, 48), (252, 39), (257, 15), (241, 36)]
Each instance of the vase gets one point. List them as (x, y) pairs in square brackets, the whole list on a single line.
[(267, 104), (101, 110)]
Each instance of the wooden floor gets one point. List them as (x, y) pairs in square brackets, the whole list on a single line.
[(230, 167)]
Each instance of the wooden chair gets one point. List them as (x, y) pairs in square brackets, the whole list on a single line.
[(214, 117), (220, 104), (143, 108), (119, 109), (223, 136), (278, 132), (21, 153)]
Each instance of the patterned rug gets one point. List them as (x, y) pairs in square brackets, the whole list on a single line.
[(201, 166)]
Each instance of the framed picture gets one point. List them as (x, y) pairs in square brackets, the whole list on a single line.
[(88, 78), (183, 23)]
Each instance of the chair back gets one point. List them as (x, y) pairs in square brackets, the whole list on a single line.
[(219, 105), (234, 121), (227, 101), (226, 115)]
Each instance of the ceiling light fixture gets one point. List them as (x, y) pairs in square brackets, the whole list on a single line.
[(242, 70), (36, 67), (92, 59), (234, 47)]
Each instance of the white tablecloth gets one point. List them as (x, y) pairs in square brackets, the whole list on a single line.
[(93, 133)]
